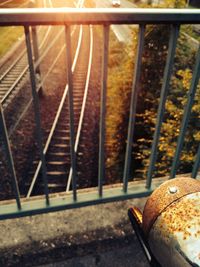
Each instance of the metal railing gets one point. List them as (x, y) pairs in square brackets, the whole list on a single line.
[(104, 17)]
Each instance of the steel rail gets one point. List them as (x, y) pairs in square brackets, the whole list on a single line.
[(124, 15), (8, 93), (45, 54), (83, 105), (36, 111), (57, 113), (23, 72), (49, 28), (184, 17), (11, 131), (22, 54), (63, 202), (17, 60), (13, 64), (54, 62), (25, 69), (55, 120)]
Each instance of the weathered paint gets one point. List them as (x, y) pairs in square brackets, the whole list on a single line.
[(175, 236), (169, 192)]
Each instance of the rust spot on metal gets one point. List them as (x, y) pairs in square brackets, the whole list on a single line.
[(182, 217), (161, 198)]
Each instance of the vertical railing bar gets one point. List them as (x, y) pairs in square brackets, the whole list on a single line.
[(35, 49), (101, 170), (196, 164), (71, 110), (132, 114), (36, 111), (164, 91), (186, 116), (8, 151)]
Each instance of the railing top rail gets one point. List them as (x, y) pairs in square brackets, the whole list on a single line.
[(60, 16)]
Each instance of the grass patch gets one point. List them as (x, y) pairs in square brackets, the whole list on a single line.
[(9, 36), (189, 29)]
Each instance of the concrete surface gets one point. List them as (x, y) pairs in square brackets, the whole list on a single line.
[(92, 236)]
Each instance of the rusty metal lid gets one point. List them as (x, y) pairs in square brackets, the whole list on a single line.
[(165, 195)]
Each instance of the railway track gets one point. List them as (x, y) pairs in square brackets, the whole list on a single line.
[(16, 74), (57, 148), (23, 125)]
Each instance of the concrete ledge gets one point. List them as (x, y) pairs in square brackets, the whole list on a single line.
[(91, 236), (98, 235)]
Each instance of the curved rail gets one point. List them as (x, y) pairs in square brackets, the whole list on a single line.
[(83, 106), (23, 113), (57, 115), (43, 79)]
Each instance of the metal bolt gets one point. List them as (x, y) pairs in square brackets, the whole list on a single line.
[(173, 189)]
